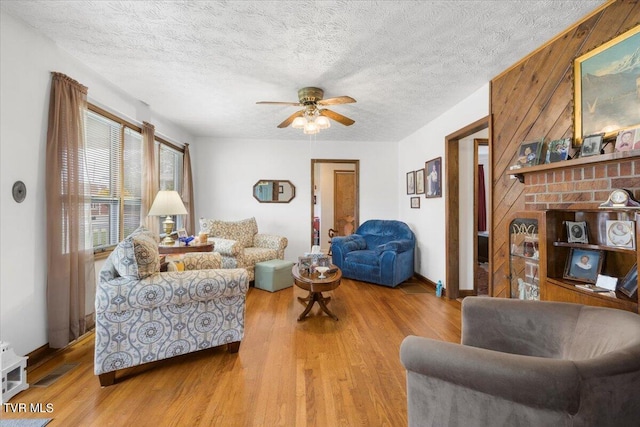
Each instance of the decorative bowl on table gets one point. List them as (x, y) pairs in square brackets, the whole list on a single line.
[(322, 270)]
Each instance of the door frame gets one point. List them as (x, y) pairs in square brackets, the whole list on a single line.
[(452, 202), (356, 165)]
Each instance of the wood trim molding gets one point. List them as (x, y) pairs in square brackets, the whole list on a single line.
[(452, 199)]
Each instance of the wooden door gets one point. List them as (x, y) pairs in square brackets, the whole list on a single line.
[(344, 202)]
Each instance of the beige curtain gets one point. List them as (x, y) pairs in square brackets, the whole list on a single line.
[(150, 178), (187, 192), (70, 267)]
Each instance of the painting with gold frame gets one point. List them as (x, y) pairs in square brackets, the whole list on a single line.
[(606, 87)]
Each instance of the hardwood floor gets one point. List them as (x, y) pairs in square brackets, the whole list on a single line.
[(317, 372)]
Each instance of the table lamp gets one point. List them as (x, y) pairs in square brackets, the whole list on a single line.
[(167, 202)]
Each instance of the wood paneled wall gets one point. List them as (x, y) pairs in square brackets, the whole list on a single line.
[(534, 99)]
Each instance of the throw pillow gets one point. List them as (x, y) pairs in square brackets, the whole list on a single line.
[(137, 255)]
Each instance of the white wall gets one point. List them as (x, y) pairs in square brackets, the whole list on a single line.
[(425, 144), (26, 60), (226, 170)]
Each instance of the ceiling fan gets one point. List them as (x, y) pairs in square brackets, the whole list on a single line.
[(312, 117)]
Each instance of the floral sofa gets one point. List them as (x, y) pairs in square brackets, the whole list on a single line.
[(143, 315), (240, 244)]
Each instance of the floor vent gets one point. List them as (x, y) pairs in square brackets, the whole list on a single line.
[(54, 375)]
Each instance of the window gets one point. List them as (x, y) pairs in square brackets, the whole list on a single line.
[(114, 167)]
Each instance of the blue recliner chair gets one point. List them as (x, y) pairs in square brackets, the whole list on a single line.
[(380, 251)]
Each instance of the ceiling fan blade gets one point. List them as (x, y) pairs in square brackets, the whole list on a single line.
[(290, 119), (295, 104), (337, 117), (337, 100)]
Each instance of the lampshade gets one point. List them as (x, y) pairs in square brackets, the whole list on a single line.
[(298, 123), (167, 202), (323, 122)]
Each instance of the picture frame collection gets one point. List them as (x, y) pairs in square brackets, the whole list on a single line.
[(585, 263), (427, 181)]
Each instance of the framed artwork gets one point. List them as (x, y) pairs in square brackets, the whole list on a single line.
[(628, 139), (629, 284), (529, 153), (411, 182), (591, 145), (605, 87), (415, 203), (583, 265), (420, 181), (558, 150), (621, 234), (182, 233), (433, 182), (577, 232)]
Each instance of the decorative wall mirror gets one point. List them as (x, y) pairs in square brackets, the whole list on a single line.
[(274, 191)]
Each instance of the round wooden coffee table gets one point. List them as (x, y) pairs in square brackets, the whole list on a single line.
[(316, 286)]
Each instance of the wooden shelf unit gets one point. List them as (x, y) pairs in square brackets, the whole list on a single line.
[(617, 261)]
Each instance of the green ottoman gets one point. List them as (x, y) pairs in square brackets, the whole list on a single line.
[(273, 275)]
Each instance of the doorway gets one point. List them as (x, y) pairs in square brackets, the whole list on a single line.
[(335, 189), (480, 216), (452, 203)]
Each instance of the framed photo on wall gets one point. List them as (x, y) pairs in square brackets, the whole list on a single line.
[(433, 181), (415, 203), (420, 181), (583, 265), (411, 182), (604, 90)]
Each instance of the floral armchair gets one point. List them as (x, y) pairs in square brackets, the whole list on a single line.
[(240, 244), (143, 315)]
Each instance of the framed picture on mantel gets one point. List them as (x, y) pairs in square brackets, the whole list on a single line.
[(605, 87)]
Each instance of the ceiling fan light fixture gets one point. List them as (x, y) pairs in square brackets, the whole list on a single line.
[(298, 123), (323, 122), (310, 128)]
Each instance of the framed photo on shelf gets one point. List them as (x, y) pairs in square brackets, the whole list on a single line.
[(182, 233), (558, 150), (577, 232), (529, 153), (411, 182), (621, 234), (628, 139), (583, 265), (324, 261), (591, 145), (420, 181), (629, 284), (433, 181), (304, 264), (415, 203), (603, 93)]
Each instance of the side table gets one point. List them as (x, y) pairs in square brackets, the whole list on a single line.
[(197, 247)]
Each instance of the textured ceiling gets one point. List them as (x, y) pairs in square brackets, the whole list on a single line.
[(204, 64)]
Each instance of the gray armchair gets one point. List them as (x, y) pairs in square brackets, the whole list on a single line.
[(527, 363)]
